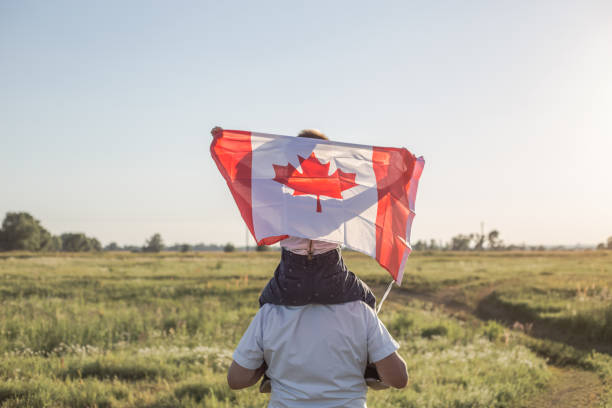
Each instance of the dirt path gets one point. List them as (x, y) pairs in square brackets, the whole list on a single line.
[(568, 388)]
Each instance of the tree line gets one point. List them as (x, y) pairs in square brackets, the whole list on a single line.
[(465, 242), (22, 232), (485, 242), (607, 245), (156, 244)]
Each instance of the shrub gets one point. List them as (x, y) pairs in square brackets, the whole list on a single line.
[(400, 325), (79, 242), (22, 232), (429, 332), (154, 244), (493, 330)]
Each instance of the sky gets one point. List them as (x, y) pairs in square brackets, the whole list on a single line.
[(106, 109)]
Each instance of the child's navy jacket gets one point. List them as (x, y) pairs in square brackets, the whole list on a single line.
[(299, 280)]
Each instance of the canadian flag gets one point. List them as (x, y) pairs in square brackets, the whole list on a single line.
[(359, 196)]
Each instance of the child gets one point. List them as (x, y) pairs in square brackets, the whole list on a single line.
[(312, 271)]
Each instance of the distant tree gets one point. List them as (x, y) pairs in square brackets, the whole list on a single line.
[(609, 242), (154, 244), (494, 241), (479, 241), (601, 245), (94, 244), (419, 245), (51, 243), (461, 242), (46, 240), (433, 245), (185, 248), (261, 248), (112, 247), (77, 242), (229, 247), (132, 248), (22, 232)]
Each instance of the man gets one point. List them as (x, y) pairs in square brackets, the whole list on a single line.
[(316, 354)]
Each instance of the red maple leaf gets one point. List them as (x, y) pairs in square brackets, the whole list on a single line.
[(315, 179)]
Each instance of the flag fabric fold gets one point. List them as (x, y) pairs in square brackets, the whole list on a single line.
[(359, 196)]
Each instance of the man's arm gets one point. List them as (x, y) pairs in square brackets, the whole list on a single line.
[(248, 364), (239, 377), (382, 351), (392, 370)]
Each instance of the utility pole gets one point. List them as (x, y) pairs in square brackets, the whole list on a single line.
[(482, 236), (246, 238)]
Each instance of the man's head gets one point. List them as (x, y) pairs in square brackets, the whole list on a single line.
[(313, 134)]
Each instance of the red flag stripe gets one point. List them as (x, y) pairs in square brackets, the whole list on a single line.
[(232, 153), (393, 169), (412, 191)]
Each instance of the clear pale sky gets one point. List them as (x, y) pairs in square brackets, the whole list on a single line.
[(106, 108)]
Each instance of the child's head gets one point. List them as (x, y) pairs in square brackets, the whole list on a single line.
[(313, 134)]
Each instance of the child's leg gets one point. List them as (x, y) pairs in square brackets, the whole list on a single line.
[(291, 284), (359, 289), (271, 293), (352, 288), (323, 279)]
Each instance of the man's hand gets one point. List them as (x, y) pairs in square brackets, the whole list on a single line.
[(216, 131), (239, 377)]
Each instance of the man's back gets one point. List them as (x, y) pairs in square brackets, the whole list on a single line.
[(316, 354)]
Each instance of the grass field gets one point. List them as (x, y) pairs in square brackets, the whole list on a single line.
[(123, 330)]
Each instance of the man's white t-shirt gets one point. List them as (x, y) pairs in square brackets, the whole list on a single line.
[(316, 354)]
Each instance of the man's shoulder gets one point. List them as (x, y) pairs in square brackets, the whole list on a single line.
[(355, 304), (357, 307)]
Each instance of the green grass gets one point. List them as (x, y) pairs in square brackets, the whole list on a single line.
[(123, 330)]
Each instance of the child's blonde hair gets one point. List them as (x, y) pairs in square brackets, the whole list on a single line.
[(312, 134)]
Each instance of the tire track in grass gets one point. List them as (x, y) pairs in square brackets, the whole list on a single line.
[(569, 387)]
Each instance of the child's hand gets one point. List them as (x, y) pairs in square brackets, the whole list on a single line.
[(216, 131)]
